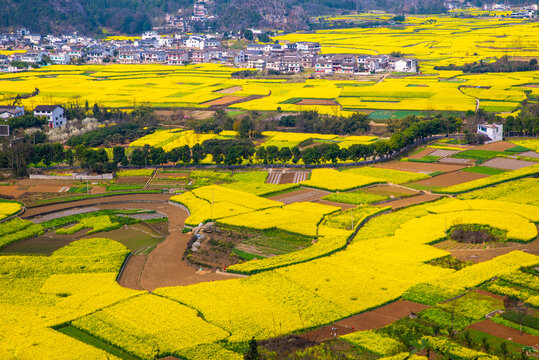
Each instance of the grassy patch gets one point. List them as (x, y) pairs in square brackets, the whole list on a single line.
[(273, 242), (483, 170), (436, 173), (517, 149), (426, 159), (95, 342), (245, 255), (481, 155)]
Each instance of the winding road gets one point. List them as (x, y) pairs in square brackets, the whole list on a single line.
[(164, 265)]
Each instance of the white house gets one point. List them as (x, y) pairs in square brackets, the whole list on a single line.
[(150, 35), (195, 42), (493, 131), (405, 65), (8, 112), (32, 56), (60, 58), (54, 114)]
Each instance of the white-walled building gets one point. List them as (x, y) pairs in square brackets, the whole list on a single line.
[(8, 112), (61, 58), (493, 131), (54, 113)]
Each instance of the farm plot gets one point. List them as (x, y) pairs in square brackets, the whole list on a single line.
[(302, 195), (508, 164), (425, 168), (449, 179)]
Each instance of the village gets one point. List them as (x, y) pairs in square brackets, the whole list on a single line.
[(179, 49)]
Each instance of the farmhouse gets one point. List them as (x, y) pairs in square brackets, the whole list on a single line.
[(493, 131), (8, 112), (61, 58), (32, 56), (54, 114), (404, 65)]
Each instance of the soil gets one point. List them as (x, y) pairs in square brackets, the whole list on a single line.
[(496, 146), (98, 190), (425, 168), (337, 204), (508, 164), (329, 102), (230, 90), (414, 200), (369, 320), (131, 180), (202, 114), (504, 332), (300, 195), (45, 189), (390, 190), (382, 316), (225, 100), (452, 178), (287, 177), (422, 153), (11, 191), (287, 344), (132, 267), (530, 154), (216, 249)]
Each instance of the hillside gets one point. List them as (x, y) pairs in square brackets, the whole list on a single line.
[(136, 16)]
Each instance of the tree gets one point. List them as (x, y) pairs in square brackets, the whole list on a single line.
[(69, 157), (248, 35), (245, 127), (198, 153), (272, 153), (185, 154), (157, 156), (285, 154), (252, 352), (137, 157), (96, 110), (261, 154), (118, 156)]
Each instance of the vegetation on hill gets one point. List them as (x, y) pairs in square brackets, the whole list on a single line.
[(134, 17)]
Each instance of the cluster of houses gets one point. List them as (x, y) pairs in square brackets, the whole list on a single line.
[(54, 114), (179, 50), (518, 11)]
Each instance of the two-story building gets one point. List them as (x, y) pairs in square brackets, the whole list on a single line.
[(62, 58), (493, 132), (177, 57), (55, 114)]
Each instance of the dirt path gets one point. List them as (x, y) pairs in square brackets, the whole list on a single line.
[(370, 320), (413, 200), (504, 332), (164, 266), (130, 275)]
